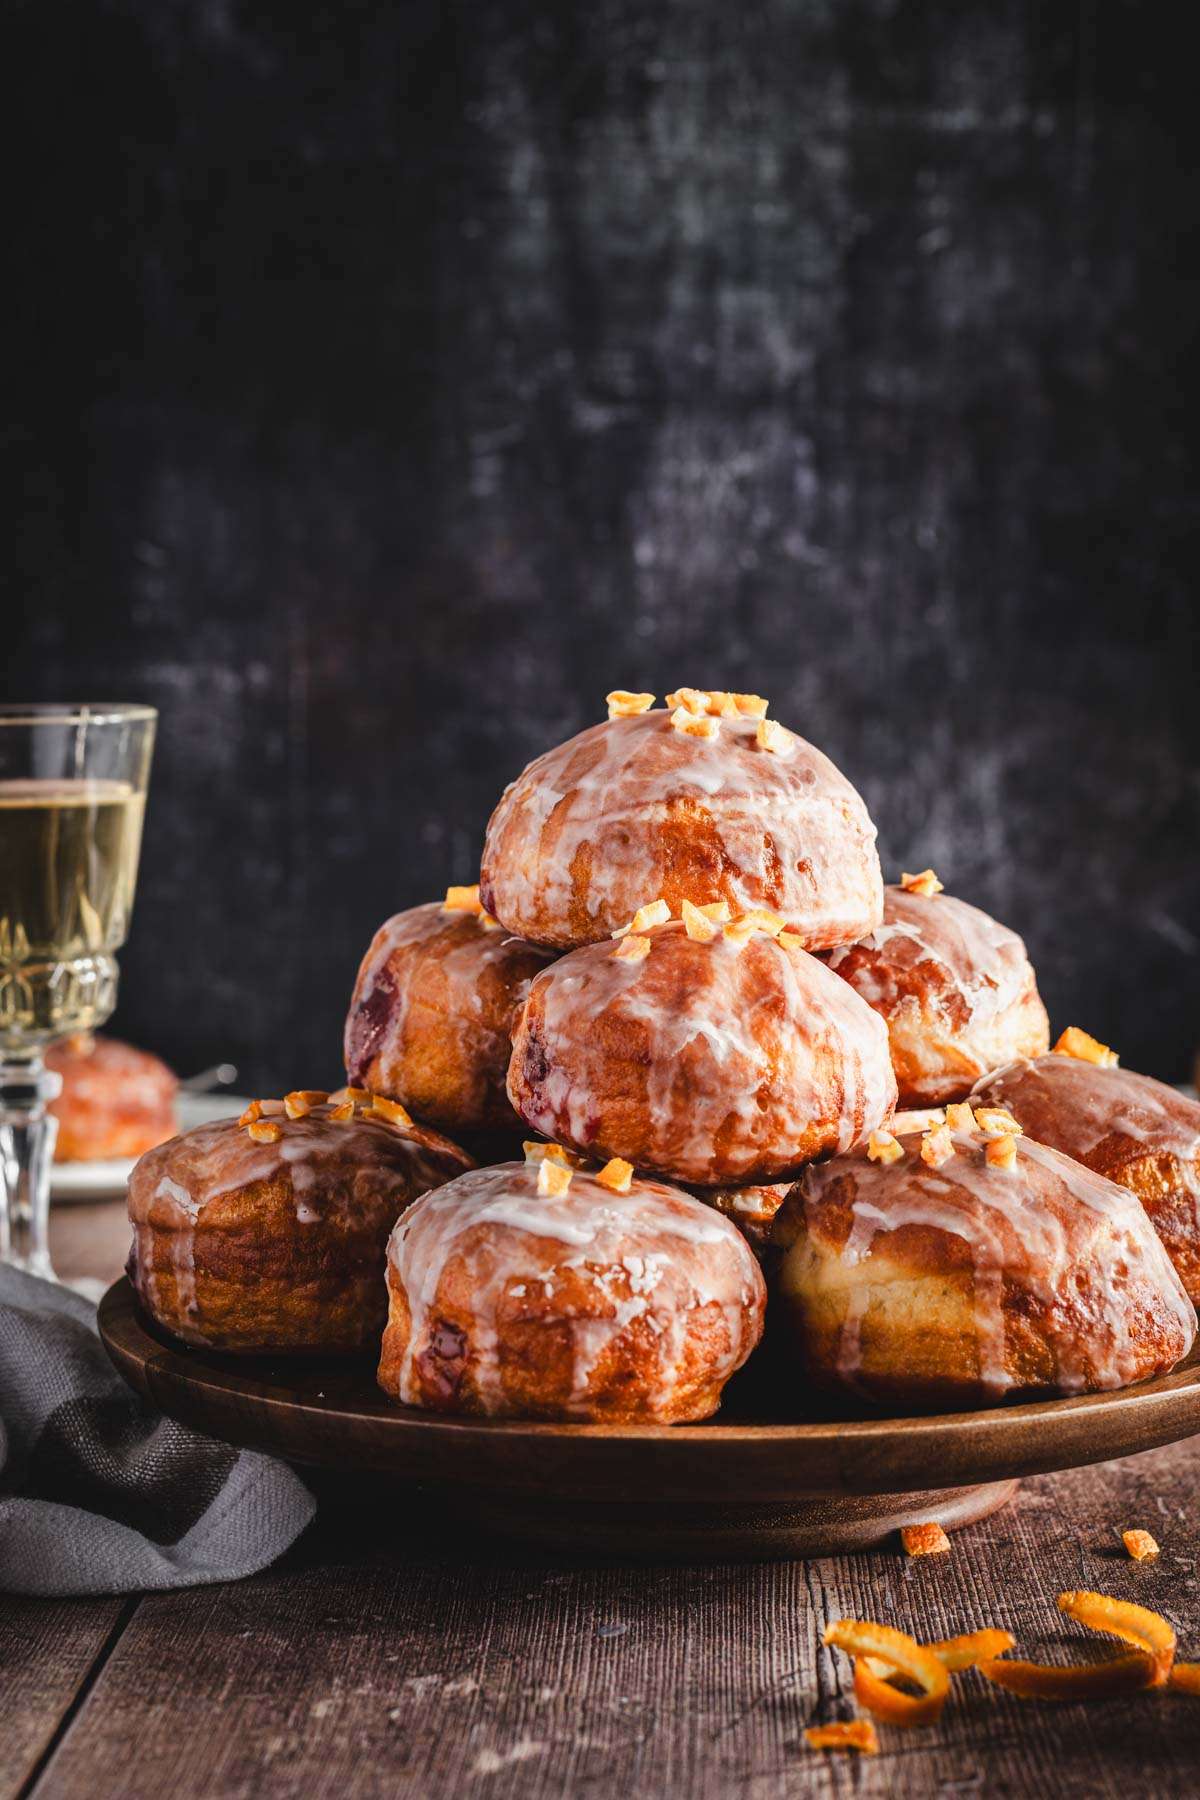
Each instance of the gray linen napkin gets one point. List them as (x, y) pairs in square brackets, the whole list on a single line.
[(99, 1494)]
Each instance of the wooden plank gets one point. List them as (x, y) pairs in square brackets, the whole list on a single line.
[(47, 1651), (396, 1657)]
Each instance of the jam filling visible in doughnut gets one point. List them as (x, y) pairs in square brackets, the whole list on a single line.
[(441, 1363)]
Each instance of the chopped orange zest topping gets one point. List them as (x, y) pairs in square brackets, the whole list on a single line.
[(633, 949), (697, 923), (252, 1112), (1001, 1152), (926, 884), (937, 1146), (882, 1147), (1185, 1678), (695, 724), (302, 1101), (1085, 1048), (656, 913), (1135, 1625), (924, 1540), (959, 1116), (356, 1096), (624, 705), (846, 1734), (1140, 1545), (750, 706), (760, 919), (391, 1110), (718, 910), (772, 736), (463, 899), (693, 700), (616, 1174), (1080, 1681), (862, 1638), (905, 1124), (343, 1113), (535, 1152), (553, 1177), (264, 1131), (997, 1119)]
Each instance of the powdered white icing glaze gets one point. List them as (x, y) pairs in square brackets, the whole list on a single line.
[(786, 831), (424, 974), (653, 1255), (947, 978), (748, 1058), (333, 1167), (1076, 1242)]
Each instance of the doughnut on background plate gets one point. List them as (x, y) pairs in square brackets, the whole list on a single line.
[(956, 988), (963, 1285), (1137, 1131), (431, 1016), (265, 1247), (632, 809), (586, 1305), (717, 1064)]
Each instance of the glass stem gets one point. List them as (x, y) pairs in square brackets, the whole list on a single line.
[(27, 1134)]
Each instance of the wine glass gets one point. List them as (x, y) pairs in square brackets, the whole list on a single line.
[(72, 796)]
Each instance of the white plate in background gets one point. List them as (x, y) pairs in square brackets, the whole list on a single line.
[(106, 1180)]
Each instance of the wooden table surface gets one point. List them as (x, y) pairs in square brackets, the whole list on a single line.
[(387, 1654)]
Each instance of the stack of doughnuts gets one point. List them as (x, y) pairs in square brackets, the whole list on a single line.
[(681, 971)]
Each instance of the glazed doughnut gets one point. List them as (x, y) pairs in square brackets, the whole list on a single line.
[(431, 1017), (751, 1209), (719, 1063), (955, 987), (269, 1234), (115, 1102), (961, 1282), (509, 1299), (1135, 1130), (637, 807)]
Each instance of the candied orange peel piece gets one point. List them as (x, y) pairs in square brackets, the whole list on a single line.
[(1185, 1678), (698, 924), (252, 1112), (391, 1110), (750, 706), (844, 1734), (719, 910), (355, 1095), (633, 949), (959, 1116), (536, 1152), (862, 1638), (622, 704), (996, 1119), (926, 884), (1140, 1545), (617, 1175), (264, 1131), (882, 1147), (773, 736), (656, 912), (1001, 1152), (693, 700), (553, 1177), (927, 1539), (343, 1113), (937, 1146), (693, 724), (1123, 1619), (791, 940), (302, 1100), (462, 899), (1085, 1048)]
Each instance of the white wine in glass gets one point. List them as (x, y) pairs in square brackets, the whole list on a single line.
[(72, 798)]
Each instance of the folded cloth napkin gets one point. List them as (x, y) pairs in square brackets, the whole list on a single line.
[(101, 1495)]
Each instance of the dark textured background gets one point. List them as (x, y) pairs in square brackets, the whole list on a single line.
[(387, 382)]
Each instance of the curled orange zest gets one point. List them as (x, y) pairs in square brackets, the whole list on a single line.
[(972, 1648), (862, 1638), (853, 1734), (1185, 1678), (1136, 1625), (1088, 1681)]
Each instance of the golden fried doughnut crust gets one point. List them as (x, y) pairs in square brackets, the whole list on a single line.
[(431, 1018), (751, 1209), (585, 1305), (115, 1102), (719, 1064), (956, 988), (255, 1247), (633, 809), (962, 1285), (1135, 1130)]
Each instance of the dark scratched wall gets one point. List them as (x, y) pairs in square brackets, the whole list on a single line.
[(389, 381)]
